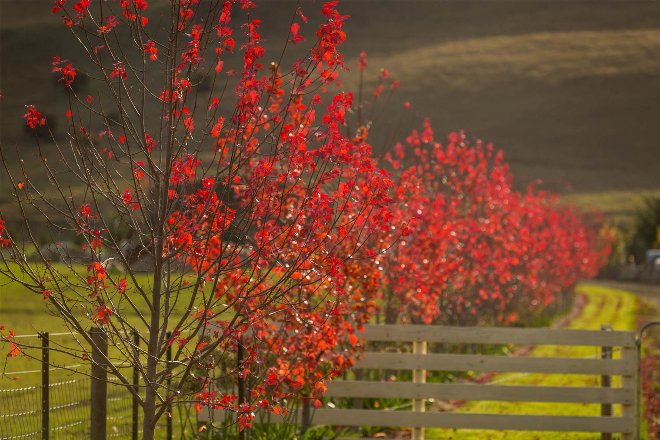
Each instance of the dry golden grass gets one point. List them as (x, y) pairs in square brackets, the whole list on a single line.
[(549, 57)]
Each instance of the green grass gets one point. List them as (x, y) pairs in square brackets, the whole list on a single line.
[(605, 306), (27, 313), (19, 307), (617, 205)]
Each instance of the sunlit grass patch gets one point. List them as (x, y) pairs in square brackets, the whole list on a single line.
[(604, 306)]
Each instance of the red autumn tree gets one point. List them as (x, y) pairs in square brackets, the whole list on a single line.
[(478, 250), (229, 183)]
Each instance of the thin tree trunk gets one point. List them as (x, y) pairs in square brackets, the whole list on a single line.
[(153, 354), (149, 422)]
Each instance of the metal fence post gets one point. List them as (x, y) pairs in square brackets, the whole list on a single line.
[(169, 385), (136, 386), (419, 376), (45, 387), (99, 388), (606, 382)]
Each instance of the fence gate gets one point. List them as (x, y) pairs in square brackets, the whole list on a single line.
[(419, 360)]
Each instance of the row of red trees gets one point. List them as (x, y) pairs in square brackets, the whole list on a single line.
[(479, 251), (269, 230)]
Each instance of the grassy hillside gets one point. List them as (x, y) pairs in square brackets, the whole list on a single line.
[(571, 92)]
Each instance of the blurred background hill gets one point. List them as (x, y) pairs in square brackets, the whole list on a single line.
[(570, 90)]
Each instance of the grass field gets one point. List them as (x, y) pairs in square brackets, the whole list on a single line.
[(604, 306), (27, 314)]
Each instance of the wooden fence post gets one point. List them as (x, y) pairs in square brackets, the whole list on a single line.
[(638, 374), (419, 376), (45, 386), (606, 382), (629, 356), (99, 389), (306, 415)]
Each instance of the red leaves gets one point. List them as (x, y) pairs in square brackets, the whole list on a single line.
[(139, 169), (294, 31), (149, 142), (215, 101), (151, 50), (14, 350), (133, 9), (103, 315), (128, 199), (245, 418), (81, 6), (208, 182), (96, 278), (140, 5), (121, 286), (85, 211), (58, 5), (184, 169), (33, 117), (110, 23), (189, 124), (67, 71), (4, 240), (650, 395), (118, 71), (330, 35), (192, 55), (362, 61)]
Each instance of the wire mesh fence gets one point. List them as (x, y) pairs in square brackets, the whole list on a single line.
[(22, 410), (68, 410), (20, 413), (54, 402)]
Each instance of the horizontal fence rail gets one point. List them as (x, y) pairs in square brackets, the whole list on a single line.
[(460, 391), (368, 417), (493, 363), (496, 335)]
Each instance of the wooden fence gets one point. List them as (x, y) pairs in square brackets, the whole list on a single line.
[(417, 338), (420, 361)]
